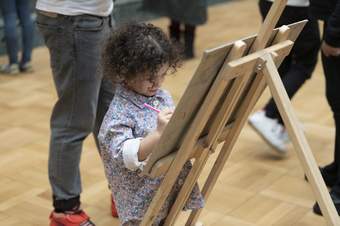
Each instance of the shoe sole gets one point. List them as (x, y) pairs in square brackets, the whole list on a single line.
[(279, 152)]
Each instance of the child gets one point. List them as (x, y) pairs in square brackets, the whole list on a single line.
[(137, 58)]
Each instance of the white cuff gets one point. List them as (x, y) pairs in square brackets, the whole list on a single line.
[(130, 154)]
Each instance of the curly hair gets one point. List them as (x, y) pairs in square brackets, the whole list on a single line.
[(135, 49)]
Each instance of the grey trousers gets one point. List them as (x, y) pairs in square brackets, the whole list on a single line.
[(75, 44)]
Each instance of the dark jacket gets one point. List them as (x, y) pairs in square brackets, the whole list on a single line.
[(329, 12), (192, 12)]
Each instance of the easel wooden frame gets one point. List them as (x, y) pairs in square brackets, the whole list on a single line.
[(247, 69)]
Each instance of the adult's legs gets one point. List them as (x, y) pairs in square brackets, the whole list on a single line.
[(175, 30), (8, 9), (188, 36), (189, 41), (24, 14), (303, 57), (294, 71), (75, 48), (331, 67)]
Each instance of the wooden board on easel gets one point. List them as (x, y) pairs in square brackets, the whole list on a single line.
[(195, 93)]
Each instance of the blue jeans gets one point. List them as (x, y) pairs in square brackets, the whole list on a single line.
[(75, 44), (11, 9)]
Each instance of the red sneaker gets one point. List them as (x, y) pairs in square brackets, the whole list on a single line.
[(113, 208), (78, 218)]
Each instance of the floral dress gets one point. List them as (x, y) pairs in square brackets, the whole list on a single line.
[(126, 122)]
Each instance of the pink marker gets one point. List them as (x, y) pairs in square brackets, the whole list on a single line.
[(152, 108)]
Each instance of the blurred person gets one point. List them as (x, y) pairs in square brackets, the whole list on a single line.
[(296, 68), (11, 10), (185, 16), (329, 13)]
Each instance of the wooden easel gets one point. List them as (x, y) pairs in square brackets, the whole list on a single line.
[(214, 108)]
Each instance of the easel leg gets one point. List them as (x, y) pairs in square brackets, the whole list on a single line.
[(244, 111), (215, 130), (257, 87), (299, 141), (160, 196), (187, 188)]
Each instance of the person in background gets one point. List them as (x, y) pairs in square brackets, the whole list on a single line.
[(185, 16), (11, 10), (329, 13), (296, 68)]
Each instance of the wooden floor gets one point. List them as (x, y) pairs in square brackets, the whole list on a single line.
[(255, 188)]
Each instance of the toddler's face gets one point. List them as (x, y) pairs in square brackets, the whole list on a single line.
[(145, 86)]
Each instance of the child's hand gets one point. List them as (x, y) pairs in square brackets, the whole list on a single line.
[(148, 143), (163, 119)]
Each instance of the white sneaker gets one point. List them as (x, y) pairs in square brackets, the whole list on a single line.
[(270, 130), (9, 69)]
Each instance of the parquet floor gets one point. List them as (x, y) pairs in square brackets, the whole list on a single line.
[(256, 188)]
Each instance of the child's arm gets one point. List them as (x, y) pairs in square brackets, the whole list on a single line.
[(147, 144)]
